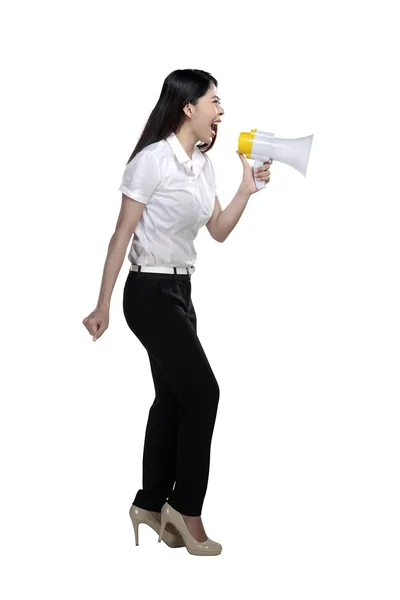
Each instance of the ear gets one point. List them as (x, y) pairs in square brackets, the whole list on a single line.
[(187, 110)]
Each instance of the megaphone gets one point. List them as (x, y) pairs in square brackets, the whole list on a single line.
[(261, 146)]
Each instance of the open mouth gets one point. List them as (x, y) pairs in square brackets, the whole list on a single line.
[(214, 128)]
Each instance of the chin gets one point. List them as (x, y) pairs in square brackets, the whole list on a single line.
[(205, 140)]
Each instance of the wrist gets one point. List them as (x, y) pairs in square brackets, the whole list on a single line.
[(103, 306), (244, 190)]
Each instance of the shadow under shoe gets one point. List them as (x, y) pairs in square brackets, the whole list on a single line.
[(207, 548), (140, 515)]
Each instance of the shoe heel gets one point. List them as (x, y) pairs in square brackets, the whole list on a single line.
[(136, 529), (163, 524)]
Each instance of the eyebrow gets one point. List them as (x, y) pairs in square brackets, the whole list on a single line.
[(217, 97)]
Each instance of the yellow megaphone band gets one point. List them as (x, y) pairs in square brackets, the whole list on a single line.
[(245, 142)]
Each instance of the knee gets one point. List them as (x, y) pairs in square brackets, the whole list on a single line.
[(207, 395), (214, 392)]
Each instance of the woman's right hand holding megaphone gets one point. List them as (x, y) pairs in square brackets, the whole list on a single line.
[(262, 174)]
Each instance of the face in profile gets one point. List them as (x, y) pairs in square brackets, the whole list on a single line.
[(206, 114)]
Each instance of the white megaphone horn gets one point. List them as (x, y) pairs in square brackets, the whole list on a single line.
[(261, 146)]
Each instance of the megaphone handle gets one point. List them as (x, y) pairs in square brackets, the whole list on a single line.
[(259, 163)]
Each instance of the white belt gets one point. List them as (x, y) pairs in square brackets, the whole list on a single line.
[(160, 269)]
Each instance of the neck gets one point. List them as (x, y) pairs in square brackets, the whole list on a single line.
[(187, 139)]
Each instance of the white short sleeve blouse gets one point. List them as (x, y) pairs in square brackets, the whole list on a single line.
[(179, 194)]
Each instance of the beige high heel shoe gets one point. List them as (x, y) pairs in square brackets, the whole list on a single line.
[(207, 548), (140, 515)]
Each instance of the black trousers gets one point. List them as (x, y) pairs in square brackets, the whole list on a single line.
[(176, 456)]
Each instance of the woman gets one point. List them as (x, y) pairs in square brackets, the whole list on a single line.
[(168, 193)]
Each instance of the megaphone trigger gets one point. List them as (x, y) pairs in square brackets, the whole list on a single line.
[(259, 184)]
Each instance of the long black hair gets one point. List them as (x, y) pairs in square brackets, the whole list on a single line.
[(179, 88)]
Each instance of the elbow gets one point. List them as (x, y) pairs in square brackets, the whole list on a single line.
[(218, 239), (121, 236)]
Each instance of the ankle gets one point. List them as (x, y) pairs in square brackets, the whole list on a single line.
[(192, 519)]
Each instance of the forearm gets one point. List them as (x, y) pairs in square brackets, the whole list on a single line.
[(229, 217), (112, 266)]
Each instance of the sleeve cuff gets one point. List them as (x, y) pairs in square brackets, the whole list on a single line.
[(134, 195)]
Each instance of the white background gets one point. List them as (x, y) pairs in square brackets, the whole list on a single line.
[(298, 311)]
